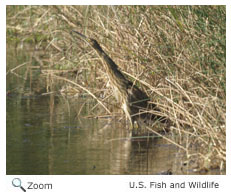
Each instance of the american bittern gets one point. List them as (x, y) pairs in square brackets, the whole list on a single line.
[(133, 101)]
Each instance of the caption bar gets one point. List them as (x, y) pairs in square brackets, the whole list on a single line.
[(175, 185)]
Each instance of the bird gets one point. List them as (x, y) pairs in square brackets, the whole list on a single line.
[(132, 99)]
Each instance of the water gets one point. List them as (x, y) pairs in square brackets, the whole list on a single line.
[(45, 139)]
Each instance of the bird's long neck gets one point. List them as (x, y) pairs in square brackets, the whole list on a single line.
[(111, 67)]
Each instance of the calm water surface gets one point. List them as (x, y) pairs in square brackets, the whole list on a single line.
[(51, 140)]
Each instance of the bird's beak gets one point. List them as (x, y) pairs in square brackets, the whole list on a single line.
[(81, 35)]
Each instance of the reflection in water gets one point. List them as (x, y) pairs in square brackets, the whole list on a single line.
[(47, 138)]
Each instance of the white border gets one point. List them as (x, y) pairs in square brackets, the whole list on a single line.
[(109, 184), (3, 91), (117, 2)]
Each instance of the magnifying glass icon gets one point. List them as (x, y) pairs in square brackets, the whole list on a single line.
[(16, 182)]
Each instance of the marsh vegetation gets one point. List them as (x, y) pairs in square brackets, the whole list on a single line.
[(176, 54)]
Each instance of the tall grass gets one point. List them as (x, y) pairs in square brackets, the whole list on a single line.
[(176, 54)]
